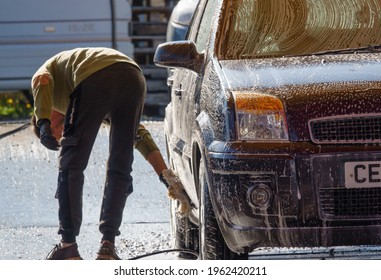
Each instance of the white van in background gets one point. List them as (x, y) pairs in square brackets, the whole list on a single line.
[(31, 31)]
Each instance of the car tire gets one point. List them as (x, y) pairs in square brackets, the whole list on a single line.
[(212, 244), (184, 233)]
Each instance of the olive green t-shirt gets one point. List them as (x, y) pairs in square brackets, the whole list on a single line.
[(56, 79)]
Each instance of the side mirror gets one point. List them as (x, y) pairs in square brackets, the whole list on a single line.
[(178, 54)]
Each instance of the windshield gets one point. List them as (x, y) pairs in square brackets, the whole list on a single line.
[(274, 28)]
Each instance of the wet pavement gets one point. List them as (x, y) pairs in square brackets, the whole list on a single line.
[(28, 212), (28, 209)]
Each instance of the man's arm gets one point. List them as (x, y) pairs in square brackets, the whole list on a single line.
[(148, 148)]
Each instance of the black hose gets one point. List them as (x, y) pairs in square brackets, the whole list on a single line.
[(14, 130), (166, 251)]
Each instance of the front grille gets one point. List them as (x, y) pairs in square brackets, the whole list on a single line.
[(340, 203), (354, 129)]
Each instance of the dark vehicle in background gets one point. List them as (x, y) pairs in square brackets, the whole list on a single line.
[(274, 125)]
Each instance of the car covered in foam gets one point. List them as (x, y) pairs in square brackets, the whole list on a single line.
[(274, 125)]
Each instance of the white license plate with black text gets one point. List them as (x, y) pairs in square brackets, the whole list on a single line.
[(362, 174)]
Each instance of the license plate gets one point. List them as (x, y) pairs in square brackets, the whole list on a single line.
[(362, 174)]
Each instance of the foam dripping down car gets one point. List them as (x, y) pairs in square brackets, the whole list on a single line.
[(274, 125)]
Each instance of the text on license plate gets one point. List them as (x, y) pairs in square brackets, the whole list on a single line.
[(362, 174)]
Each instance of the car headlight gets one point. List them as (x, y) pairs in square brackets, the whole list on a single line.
[(260, 117)]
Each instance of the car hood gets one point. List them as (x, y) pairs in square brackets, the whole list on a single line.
[(312, 87)]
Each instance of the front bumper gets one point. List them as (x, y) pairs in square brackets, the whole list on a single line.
[(310, 206)]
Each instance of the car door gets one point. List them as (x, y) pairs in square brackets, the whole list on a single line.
[(180, 96), (186, 92), (191, 84)]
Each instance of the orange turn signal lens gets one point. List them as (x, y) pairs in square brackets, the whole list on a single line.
[(259, 117)]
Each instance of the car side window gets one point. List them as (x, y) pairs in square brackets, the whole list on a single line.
[(205, 25)]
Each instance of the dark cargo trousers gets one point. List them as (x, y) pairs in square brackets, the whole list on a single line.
[(116, 92)]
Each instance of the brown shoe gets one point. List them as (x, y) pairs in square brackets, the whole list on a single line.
[(67, 253), (107, 251)]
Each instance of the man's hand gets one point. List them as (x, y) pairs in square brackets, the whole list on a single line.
[(46, 137), (176, 190)]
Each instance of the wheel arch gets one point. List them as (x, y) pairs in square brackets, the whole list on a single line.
[(201, 139)]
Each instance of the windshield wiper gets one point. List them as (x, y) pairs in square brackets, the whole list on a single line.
[(371, 49)]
